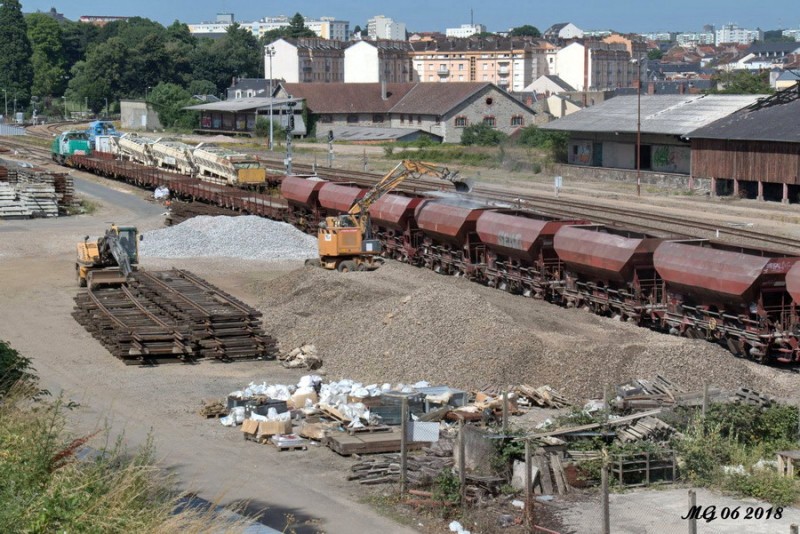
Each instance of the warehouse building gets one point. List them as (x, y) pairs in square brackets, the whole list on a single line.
[(754, 152)]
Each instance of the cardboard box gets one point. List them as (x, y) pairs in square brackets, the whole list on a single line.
[(298, 400), (270, 428), (250, 429), (315, 431)]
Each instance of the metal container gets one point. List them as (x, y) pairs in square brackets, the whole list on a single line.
[(394, 211), (301, 190), (720, 273), (262, 408), (518, 234), (604, 253), (448, 221), (339, 198), (456, 397)]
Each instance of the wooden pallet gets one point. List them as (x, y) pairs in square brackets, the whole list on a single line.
[(367, 443)]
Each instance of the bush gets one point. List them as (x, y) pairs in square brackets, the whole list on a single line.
[(388, 150), (482, 135), (765, 484), (447, 487), (16, 370), (555, 143)]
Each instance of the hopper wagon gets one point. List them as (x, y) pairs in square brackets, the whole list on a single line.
[(174, 155), (394, 225), (226, 167), (134, 147), (338, 198), (736, 296), (302, 197)]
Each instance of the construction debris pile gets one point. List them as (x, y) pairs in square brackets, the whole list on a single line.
[(171, 316), (245, 237), (33, 192)]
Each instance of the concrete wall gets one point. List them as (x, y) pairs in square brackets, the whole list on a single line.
[(569, 65), (136, 115), (669, 158), (619, 155), (658, 179)]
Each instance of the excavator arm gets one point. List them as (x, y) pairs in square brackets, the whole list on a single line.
[(404, 170), (113, 246)]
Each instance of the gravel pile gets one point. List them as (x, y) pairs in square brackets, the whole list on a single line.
[(247, 237), (403, 324)]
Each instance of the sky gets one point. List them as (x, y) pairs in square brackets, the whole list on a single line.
[(436, 15)]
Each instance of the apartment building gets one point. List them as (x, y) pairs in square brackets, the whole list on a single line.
[(380, 27), (731, 33), (596, 66), (635, 46), (696, 38), (465, 30), (510, 63), (377, 61), (309, 60), (324, 27)]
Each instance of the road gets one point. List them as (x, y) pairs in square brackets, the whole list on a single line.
[(306, 489)]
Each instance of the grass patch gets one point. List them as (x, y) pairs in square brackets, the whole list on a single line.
[(84, 207), (54, 482), (464, 156)]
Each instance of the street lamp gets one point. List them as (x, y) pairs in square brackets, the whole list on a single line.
[(639, 124), (270, 51)]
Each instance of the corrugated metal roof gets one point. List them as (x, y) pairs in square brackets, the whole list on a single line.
[(777, 122), (244, 104), (661, 114), (368, 133)]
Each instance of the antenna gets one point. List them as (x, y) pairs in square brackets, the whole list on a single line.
[(471, 18)]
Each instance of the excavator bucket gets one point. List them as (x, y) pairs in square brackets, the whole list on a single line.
[(105, 278), (465, 185)]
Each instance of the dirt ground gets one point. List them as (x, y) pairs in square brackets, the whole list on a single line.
[(396, 324)]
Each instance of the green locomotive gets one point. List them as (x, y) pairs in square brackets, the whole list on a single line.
[(69, 144)]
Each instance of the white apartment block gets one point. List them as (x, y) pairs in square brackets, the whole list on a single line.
[(658, 36), (309, 60), (380, 27), (731, 33), (465, 30), (696, 38), (794, 34), (324, 27), (609, 66)]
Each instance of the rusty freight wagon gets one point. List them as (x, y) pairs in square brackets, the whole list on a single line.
[(609, 270), (733, 295), (394, 225), (520, 256), (302, 196)]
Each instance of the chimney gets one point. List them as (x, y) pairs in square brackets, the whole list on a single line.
[(651, 88), (383, 90)]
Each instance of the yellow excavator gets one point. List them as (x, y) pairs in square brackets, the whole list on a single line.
[(110, 259), (345, 241)]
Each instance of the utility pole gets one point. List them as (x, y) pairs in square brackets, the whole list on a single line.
[(65, 106), (289, 132), (270, 51), (5, 97)]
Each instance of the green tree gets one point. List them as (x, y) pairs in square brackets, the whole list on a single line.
[(202, 87), (776, 36), (16, 68), (655, 53), (237, 54), (104, 74), (297, 27), (481, 134), (169, 100), (49, 67), (525, 30), (741, 82), (76, 38)]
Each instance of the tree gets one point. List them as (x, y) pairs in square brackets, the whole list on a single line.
[(237, 54), (202, 87), (76, 39), (169, 100), (49, 67), (776, 36), (16, 68), (525, 30), (481, 134), (741, 82), (297, 27), (655, 53), (104, 74)]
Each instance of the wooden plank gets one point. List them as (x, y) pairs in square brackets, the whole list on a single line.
[(613, 422), (543, 464), (558, 473)]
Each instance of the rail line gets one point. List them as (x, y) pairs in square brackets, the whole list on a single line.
[(171, 316)]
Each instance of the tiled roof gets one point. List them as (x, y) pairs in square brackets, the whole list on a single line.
[(348, 97), (437, 98)]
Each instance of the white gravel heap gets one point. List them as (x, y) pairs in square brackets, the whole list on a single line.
[(246, 237)]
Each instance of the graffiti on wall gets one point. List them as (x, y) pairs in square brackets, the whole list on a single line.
[(581, 153), (668, 158)]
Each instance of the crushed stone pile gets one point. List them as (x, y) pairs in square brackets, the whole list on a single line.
[(402, 324), (246, 237)]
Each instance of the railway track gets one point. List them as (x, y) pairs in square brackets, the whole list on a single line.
[(171, 316)]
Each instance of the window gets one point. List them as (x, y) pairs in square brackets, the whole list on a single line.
[(326, 119), (419, 119), (461, 122), (352, 119), (485, 66), (402, 119), (517, 120), (460, 77), (430, 78), (489, 121), (238, 94), (377, 118), (485, 77), (460, 66)]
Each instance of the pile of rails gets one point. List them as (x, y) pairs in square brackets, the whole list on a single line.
[(171, 316), (34, 192)]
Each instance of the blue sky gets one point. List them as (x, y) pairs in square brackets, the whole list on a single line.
[(430, 15)]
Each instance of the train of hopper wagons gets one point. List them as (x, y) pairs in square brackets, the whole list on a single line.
[(745, 299)]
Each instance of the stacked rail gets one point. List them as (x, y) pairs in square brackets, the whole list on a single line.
[(171, 316)]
